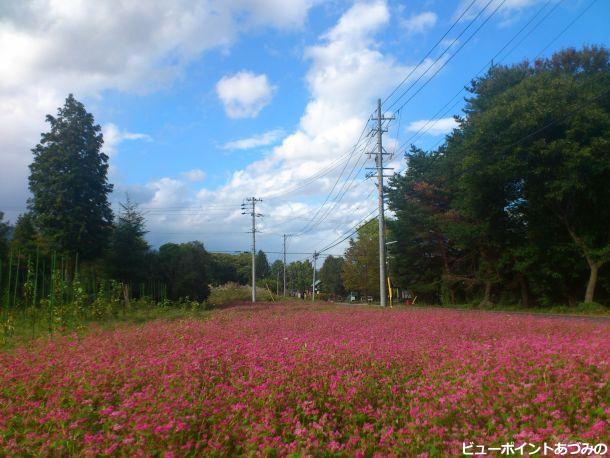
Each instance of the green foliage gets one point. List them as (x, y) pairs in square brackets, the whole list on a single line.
[(69, 184), (4, 230), (184, 268), (226, 268), (299, 276), (234, 292), (277, 269), (361, 265), (128, 252), (515, 205), (330, 276), (24, 239), (262, 265)]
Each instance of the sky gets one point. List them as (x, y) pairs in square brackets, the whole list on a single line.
[(204, 103)]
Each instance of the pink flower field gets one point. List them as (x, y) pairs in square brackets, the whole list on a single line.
[(309, 380)]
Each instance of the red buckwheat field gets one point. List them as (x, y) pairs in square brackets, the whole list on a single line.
[(309, 380)]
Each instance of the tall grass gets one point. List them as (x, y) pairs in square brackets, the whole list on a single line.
[(47, 294)]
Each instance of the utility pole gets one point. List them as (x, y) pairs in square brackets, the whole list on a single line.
[(252, 203), (285, 235), (313, 284), (379, 153)]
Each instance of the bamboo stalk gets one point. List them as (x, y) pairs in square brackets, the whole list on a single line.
[(16, 279), (34, 297), (8, 291)]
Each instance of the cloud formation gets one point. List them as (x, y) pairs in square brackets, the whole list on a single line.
[(244, 94), (50, 48), (113, 136), (256, 141), (194, 175), (419, 23), (347, 73), (433, 127), (508, 8)]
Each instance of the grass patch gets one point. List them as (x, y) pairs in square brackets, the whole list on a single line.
[(588, 309), (25, 327)]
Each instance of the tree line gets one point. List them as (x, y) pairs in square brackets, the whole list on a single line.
[(514, 206)]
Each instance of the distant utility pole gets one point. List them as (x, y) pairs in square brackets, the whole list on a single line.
[(379, 153), (313, 284), (252, 203), (285, 236)]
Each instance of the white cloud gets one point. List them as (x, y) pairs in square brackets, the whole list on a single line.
[(256, 141), (113, 136), (347, 74), (433, 127), (507, 9), (419, 23), (50, 48), (194, 175), (244, 94)]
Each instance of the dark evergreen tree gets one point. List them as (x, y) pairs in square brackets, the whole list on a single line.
[(223, 268), (184, 269), (127, 254), (262, 264), (24, 239), (69, 184)]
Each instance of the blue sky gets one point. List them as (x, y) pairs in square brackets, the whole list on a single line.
[(213, 101)]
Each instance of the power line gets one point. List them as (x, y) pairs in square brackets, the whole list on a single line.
[(436, 117), (348, 155), (517, 44), (349, 233), (310, 225), (439, 41), (346, 186), (455, 53), (455, 40), (567, 27), (360, 207)]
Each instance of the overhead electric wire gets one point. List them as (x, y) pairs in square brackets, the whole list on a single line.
[(453, 55), (443, 53), (520, 41), (359, 207), (344, 189), (341, 194), (352, 231), (307, 227), (497, 54), (437, 116), (310, 179), (439, 41), (567, 27), (349, 154)]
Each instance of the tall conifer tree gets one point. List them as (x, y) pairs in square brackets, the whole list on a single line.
[(69, 183)]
